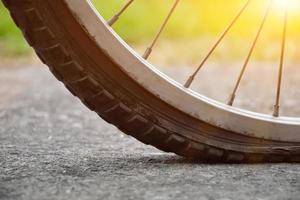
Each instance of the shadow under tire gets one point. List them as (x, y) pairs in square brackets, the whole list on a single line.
[(71, 54)]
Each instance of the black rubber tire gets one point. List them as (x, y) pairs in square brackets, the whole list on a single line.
[(91, 75)]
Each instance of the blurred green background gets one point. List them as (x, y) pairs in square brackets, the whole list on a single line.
[(12, 43), (192, 30)]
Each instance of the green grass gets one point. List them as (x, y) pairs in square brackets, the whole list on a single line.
[(193, 20), (12, 42), (202, 22)]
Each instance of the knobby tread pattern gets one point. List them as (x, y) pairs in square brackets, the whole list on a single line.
[(109, 106)]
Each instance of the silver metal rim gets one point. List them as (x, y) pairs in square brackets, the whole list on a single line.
[(205, 109)]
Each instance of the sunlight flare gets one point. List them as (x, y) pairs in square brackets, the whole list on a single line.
[(291, 5)]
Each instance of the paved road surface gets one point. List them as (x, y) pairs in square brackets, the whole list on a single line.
[(52, 147)]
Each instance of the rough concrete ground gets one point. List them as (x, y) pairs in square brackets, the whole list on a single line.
[(52, 147)]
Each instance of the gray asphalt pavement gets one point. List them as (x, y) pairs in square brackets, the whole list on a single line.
[(52, 147)]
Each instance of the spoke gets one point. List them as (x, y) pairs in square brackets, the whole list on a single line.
[(279, 80), (149, 49), (191, 78), (233, 95), (116, 16)]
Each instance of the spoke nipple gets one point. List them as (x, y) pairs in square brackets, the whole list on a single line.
[(276, 111), (189, 82), (231, 100), (113, 20), (147, 53)]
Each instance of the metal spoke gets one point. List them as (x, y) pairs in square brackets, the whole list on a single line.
[(189, 81), (233, 95), (279, 80), (149, 49), (116, 16), (191, 78)]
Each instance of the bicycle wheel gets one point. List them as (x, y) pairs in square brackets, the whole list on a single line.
[(96, 65)]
